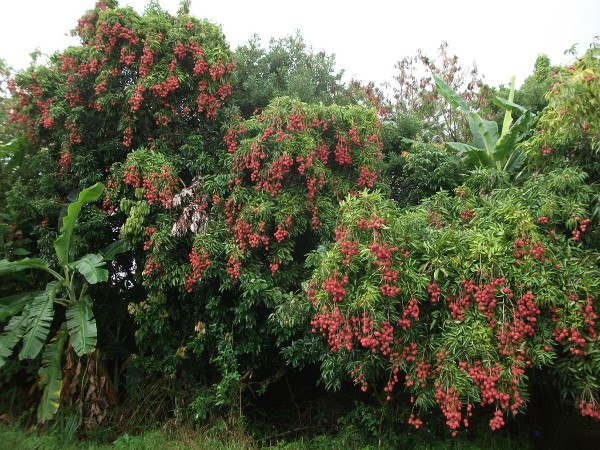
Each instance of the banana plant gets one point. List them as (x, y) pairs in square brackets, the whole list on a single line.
[(32, 313), (489, 148)]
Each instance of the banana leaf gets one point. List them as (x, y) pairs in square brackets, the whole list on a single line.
[(81, 326), (41, 314), (10, 267), (14, 304), (50, 376), (508, 105), (13, 332), (90, 266), (115, 249), (472, 155), (506, 145), (514, 164), (15, 151), (508, 119), (485, 132), (448, 93), (62, 245)]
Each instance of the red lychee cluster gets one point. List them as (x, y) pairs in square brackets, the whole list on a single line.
[(410, 312), (199, 262), (335, 286)]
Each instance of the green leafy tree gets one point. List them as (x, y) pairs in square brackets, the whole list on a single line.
[(568, 132), (422, 170), (505, 267), (398, 294), (150, 84), (569, 128), (287, 68), (223, 303), (532, 93)]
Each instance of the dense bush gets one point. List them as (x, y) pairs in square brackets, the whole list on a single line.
[(224, 297), (459, 299), (568, 131)]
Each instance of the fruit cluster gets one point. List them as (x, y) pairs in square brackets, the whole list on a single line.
[(200, 262)]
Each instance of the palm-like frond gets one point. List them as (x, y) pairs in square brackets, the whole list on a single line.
[(82, 326), (62, 245), (50, 376), (13, 332), (41, 314)]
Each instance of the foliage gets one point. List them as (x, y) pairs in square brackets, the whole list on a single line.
[(221, 437), (569, 128), (232, 220), (532, 93), (399, 293), (151, 80), (290, 166), (422, 170), (32, 313), (287, 68), (168, 438), (488, 148)]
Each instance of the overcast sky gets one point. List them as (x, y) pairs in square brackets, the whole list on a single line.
[(368, 37)]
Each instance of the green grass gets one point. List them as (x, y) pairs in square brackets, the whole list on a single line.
[(173, 439), (222, 437)]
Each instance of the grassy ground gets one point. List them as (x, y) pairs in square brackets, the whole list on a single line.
[(221, 436)]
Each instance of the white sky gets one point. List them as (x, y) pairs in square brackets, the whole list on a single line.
[(368, 37)]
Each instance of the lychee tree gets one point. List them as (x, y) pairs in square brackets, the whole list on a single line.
[(568, 132), (290, 166), (456, 303), (452, 304), (145, 91)]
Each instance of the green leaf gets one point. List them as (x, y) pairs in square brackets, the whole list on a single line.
[(115, 249), (514, 164), (6, 267), (31, 263), (10, 267), (517, 132), (451, 97), (15, 150), (62, 245), (82, 326), (508, 105), (472, 155), (41, 314), (507, 114), (13, 304), (13, 332), (90, 267), (487, 132), (50, 376), (21, 252)]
